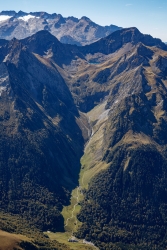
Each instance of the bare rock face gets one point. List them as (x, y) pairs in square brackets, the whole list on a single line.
[(121, 37), (69, 30), (39, 158)]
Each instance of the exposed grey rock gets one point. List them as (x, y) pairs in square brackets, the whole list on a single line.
[(68, 30)]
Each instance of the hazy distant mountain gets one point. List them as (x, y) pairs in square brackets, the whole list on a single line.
[(68, 30)]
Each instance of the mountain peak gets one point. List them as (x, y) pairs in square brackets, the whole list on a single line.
[(119, 38), (74, 19), (85, 18), (22, 13), (131, 33), (34, 42), (44, 35), (80, 31), (143, 50), (8, 12)]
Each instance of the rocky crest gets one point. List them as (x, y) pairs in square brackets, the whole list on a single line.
[(68, 30)]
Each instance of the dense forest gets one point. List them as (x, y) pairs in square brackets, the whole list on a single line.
[(126, 209)]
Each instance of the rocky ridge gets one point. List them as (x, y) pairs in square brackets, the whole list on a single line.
[(69, 30)]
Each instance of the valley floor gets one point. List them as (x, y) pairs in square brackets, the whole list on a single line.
[(91, 164)]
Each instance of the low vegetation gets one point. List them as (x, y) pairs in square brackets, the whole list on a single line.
[(24, 235)]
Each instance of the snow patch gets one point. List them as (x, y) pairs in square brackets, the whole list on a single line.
[(6, 58), (3, 84), (4, 78), (26, 18), (4, 18), (2, 89)]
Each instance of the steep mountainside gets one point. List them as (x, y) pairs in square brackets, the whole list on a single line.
[(11, 241), (68, 30), (48, 46), (39, 156), (117, 39), (92, 78), (113, 95), (125, 205)]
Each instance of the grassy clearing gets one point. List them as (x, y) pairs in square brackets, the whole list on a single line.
[(70, 212), (91, 165), (92, 159), (63, 238), (10, 241)]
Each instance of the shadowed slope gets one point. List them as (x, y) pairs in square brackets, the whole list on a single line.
[(39, 156), (118, 38)]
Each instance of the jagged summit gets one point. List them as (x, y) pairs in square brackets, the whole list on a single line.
[(43, 34), (85, 18), (45, 44), (121, 37), (80, 31), (143, 50)]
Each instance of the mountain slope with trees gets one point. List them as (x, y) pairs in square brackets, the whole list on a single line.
[(49, 93)]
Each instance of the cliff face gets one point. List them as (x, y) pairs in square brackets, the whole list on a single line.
[(69, 30), (116, 40), (40, 154)]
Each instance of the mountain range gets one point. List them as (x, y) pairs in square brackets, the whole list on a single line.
[(69, 30), (105, 102)]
